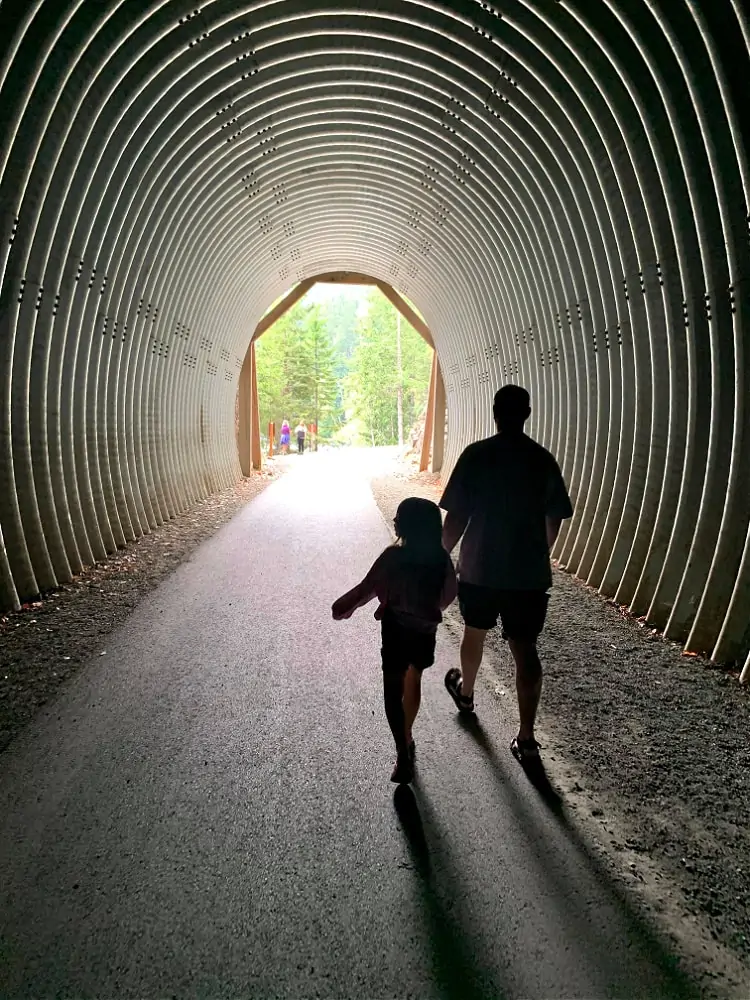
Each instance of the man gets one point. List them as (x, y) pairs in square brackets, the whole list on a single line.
[(507, 498), (301, 432)]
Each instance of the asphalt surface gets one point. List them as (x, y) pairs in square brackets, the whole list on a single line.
[(205, 811)]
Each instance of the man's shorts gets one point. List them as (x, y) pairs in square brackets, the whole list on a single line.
[(403, 647), (522, 612)]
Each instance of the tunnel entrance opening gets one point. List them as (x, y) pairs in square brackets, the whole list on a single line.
[(252, 423)]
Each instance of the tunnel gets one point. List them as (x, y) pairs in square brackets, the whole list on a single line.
[(560, 189)]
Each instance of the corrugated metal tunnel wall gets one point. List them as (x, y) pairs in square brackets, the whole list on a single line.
[(560, 187)]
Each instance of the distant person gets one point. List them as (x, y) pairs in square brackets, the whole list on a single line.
[(301, 432), (507, 498), (285, 438), (414, 581)]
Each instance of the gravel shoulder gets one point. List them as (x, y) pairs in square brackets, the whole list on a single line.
[(650, 752), (49, 640)]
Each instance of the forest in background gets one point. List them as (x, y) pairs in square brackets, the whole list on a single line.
[(335, 363)]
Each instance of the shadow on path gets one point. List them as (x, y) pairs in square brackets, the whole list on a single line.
[(458, 971), (534, 771), (675, 983)]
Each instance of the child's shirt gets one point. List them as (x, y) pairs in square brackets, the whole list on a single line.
[(415, 593)]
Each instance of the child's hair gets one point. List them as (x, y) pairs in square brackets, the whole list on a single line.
[(419, 526)]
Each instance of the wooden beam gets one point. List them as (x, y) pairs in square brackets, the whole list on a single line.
[(345, 278), (406, 311), (424, 458), (284, 306), (255, 422), (438, 423), (245, 415)]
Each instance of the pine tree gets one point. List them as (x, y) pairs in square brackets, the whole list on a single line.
[(374, 382), (296, 371)]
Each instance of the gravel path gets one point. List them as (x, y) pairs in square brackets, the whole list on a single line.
[(47, 641), (649, 750)]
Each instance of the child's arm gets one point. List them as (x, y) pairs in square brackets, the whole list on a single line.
[(347, 604), (450, 587)]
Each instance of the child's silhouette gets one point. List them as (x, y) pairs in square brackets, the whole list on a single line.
[(414, 581)]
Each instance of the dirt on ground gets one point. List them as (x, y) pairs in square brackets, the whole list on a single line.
[(49, 639), (649, 751)]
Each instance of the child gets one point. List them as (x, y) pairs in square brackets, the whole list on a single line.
[(414, 581)]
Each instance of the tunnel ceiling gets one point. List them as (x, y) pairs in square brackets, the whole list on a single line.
[(560, 187)]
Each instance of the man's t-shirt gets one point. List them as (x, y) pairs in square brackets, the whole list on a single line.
[(506, 485)]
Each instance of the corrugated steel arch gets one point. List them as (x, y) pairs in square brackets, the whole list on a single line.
[(561, 188)]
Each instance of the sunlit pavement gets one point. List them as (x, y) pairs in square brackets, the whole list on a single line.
[(206, 811)]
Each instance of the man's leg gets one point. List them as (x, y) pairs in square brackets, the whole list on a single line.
[(472, 647), (528, 684), (479, 606)]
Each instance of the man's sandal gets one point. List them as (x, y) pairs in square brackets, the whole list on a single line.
[(464, 704), (525, 751)]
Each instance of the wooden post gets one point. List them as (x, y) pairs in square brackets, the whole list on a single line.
[(429, 419), (438, 425), (271, 437), (244, 431), (255, 454)]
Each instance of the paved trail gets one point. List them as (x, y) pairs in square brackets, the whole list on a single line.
[(206, 811)]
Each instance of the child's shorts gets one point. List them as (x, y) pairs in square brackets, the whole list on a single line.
[(404, 647)]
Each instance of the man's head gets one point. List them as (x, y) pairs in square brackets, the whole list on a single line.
[(511, 408)]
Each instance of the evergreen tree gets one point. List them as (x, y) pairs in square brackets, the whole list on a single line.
[(327, 364), (374, 380), (296, 371)]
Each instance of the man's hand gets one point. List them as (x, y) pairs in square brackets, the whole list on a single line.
[(453, 528)]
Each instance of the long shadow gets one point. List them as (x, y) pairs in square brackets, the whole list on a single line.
[(457, 968), (534, 771), (647, 940)]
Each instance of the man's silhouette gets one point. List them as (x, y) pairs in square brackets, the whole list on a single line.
[(507, 498)]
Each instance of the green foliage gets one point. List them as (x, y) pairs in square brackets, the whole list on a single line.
[(296, 371), (337, 366), (374, 379)]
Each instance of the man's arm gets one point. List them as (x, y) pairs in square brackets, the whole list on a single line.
[(453, 528), (457, 501), (553, 530), (450, 586), (558, 504)]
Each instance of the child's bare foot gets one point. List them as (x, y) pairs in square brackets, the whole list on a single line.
[(403, 770)]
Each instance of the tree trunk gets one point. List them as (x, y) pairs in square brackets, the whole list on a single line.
[(400, 384)]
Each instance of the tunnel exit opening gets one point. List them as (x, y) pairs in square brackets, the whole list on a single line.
[(249, 427)]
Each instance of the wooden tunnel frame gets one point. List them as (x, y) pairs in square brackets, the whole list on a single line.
[(248, 432)]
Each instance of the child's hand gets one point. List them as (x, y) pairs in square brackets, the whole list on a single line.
[(339, 610), (379, 612)]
